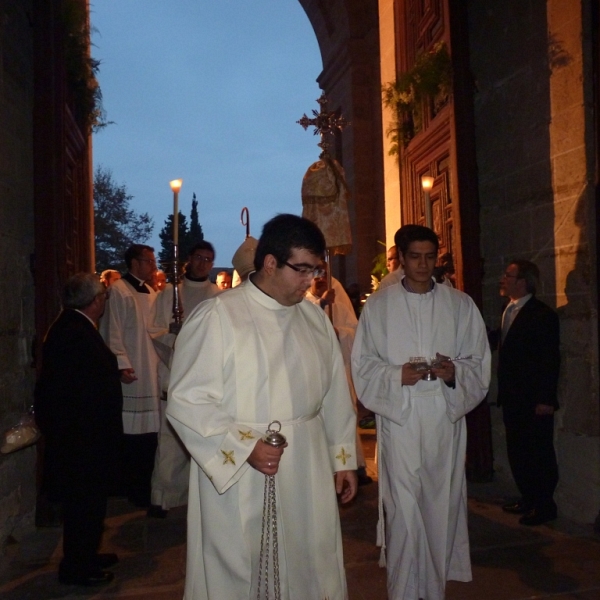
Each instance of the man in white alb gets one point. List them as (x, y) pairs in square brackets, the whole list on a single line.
[(344, 322), (172, 463), (124, 328), (420, 423), (259, 353)]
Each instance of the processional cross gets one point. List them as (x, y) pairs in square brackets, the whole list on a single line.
[(325, 123)]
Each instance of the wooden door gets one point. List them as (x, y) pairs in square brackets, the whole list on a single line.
[(441, 141)]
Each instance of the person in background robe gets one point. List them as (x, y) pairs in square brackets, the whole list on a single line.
[(243, 260), (392, 260), (223, 280), (158, 281), (124, 328), (259, 353), (78, 404), (172, 463), (109, 276), (344, 323), (420, 424), (393, 265)]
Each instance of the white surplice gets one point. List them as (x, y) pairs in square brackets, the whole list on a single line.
[(124, 327), (241, 361), (421, 430), (171, 473)]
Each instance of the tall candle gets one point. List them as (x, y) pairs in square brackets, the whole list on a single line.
[(176, 186), (428, 215), (176, 218)]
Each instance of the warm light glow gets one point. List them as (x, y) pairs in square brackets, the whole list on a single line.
[(427, 182), (176, 184)]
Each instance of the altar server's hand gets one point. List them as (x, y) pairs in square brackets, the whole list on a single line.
[(444, 368), (128, 376), (410, 375), (346, 485), (265, 458)]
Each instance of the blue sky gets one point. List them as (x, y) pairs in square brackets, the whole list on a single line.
[(208, 91)]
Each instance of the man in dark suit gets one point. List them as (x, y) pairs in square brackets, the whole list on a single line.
[(528, 369), (78, 407)]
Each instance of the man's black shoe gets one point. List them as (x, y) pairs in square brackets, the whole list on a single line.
[(537, 517), (157, 512), (106, 560), (516, 508), (95, 578)]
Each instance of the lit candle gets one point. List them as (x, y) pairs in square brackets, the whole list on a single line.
[(176, 186), (427, 184)]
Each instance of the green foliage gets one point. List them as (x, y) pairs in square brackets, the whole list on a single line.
[(380, 266), (188, 236), (116, 225), (428, 81), (195, 233), (165, 255), (81, 68)]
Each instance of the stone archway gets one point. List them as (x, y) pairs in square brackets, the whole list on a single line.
[(347, 32)]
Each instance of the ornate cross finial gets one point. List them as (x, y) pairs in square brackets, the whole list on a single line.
[(324, 122)]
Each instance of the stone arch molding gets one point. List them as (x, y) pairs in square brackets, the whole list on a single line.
[(347, 32)]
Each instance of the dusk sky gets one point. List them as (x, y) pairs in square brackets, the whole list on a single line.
[(208, 91)]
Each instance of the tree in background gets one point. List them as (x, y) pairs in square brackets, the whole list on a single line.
[(117, 226), (165, 255), (195, 234), (188, 236)]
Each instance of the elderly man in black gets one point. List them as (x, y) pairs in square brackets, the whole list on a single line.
[(78, 405)]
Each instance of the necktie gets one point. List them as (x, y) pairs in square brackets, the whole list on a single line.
[(507, 318)]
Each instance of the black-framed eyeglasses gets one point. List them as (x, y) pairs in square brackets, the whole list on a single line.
[(306, 271), (152, 261), (508, 276), (204, 259)]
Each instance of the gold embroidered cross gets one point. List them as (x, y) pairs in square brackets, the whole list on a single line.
[(229, 457), (245, 435), (343, 456)]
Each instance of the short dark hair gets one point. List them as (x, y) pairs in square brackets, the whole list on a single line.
[(81, 290), (407, 234), (529, 272), (285, 232), (135, 251), (202, 245)]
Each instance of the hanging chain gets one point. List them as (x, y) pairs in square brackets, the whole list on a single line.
[(268, 539)]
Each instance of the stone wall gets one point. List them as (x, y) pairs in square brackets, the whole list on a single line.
[(17, 471), (535, 152)]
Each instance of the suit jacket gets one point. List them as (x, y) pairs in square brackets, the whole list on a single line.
[(78, 407), (529, 359)]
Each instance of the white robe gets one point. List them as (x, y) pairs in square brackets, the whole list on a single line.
[(391, 279), (124, 327), (345, 322), (421, 430), (171, 473), (241, 361), (341, 295)]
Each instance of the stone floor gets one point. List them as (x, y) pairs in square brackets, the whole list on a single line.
[(560, 561)]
